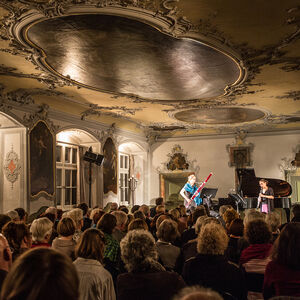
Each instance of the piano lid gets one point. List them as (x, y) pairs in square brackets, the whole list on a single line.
[(249, 184)]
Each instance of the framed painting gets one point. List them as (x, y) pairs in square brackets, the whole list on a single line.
[(41, 160), (110, 167)]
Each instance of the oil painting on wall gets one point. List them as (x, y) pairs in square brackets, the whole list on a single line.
[(110, 167), (41, 153)]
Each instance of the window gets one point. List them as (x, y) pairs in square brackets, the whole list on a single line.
[(67, 192), (123, 177)]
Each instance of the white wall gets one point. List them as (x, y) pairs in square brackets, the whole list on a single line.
[(211, 156)]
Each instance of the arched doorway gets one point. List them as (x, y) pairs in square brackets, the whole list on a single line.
[(73, 173)]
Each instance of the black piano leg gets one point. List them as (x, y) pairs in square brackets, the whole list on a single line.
[(288, 213)]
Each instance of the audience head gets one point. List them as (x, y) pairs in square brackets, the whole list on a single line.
[(59, 213), (168, 231), (121, 219), (160, 209), (199, 224), (252, 215), (22, 213), (145, 210), (236, 227), (77, 215), (96, 215), (3, 220), (212, 240), (129, 219), (107, 223), (175, 214), (17, 235), (258, 232), (13, 215), (114, 206), (124, 209), (223, 208), (41, 273), (139, 215), (160, 219), (296, 210), (52, 210), (5, 254), (66, 227), (138, 250), (137, 224), (159, 201), (198, 212), (273, 220), (182, 210), (91, 245), (229, 215), (84, 207), (197, 293), (41, 230), (135, 208), (51, 217), (286, 248)]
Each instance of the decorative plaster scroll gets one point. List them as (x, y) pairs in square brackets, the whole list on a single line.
[(12, 166)]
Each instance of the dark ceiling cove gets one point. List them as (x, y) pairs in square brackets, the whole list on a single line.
[(124, 56)]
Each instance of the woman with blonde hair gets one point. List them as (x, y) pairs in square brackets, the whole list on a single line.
[(95, 281), (210, 268), (41, 230), (77, 215)]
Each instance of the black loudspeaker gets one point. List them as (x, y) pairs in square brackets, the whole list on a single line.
[(92, 157)]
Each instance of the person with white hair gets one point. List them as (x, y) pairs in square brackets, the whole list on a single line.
[(119, 231), (41, 230), (77, 215), (13, 215)]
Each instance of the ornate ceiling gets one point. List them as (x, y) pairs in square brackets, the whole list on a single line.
[(163, 68)]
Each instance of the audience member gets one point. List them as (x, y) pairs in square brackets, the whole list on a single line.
[(210, 268), (282, 275), (235, 231), (197, 293), (137, 224), (147, 279), (41, 274), (64, 242), (296, 213), (222, 210), (273, 220), (168, 254), (176, 217), (114, 206), (51, 210), (13, 215), (18, 237), (41, 230), (3, 220), (229, 215), (124, 209), (22, 214), (255, 258), (158, 201), (77, 215), (139, 215), (135, 208), (146, 211), (87, 222), (95, 281), (119, 231), (5, 259), (160, 209)]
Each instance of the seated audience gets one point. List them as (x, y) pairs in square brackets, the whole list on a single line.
[(134, 208), (95, 216), (222, 210), (197, 293), (114, 206), (229, 215), (235, 231), (273, 220), (22, 214), (3, 220), (5, 259), (160, 209), (18, 237), (146, 211), (190, 233), (77, 215), (95, 281), (210, 268), (87, 222), (64, 242), (41, 230), (14, 216), (139, 215), (255, 258), (282, 275), (158, 201), (124, 209), (41, 273), (119, 231), (176, 217), (296, 213), (137, 224), (168, 254), (147, 279), (111, 257)]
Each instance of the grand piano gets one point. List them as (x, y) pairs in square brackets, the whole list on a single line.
[(248, 190)]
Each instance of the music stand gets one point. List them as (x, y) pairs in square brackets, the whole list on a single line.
[(208, 193), (238, 199)]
